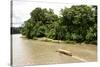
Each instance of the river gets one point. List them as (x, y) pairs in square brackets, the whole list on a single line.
[(35, 52)]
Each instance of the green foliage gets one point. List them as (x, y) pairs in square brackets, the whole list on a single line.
[(78, 20), (39, 23), (77, 23)]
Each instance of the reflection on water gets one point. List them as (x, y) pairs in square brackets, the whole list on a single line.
[(33, 52)]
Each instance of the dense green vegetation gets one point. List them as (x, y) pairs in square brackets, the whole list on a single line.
[(77, 23)]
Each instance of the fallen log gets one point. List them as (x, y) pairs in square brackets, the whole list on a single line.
[(70, 54), (64, 52)]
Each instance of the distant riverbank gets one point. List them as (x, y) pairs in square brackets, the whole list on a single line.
[(57, 41)]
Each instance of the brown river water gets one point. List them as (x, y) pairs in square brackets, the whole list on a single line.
[(35, 52)]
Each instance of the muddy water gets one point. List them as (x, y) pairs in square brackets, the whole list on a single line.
[(33, 52)]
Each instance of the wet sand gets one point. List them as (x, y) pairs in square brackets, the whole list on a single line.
[(35, 52)]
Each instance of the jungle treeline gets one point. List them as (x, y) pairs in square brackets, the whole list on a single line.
[(77, 23), (15, 30)]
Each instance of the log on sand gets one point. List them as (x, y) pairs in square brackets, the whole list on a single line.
[(64, 52), (70, 54)]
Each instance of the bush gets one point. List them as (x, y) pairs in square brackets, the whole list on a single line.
[(77, 23)]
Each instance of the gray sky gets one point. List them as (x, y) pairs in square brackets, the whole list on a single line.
[(22, 8)]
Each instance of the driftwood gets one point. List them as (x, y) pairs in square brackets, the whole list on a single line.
[(64, 52)]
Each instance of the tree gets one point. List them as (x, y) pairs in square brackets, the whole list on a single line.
[(39, 23), (77, 23), (78, 20)]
